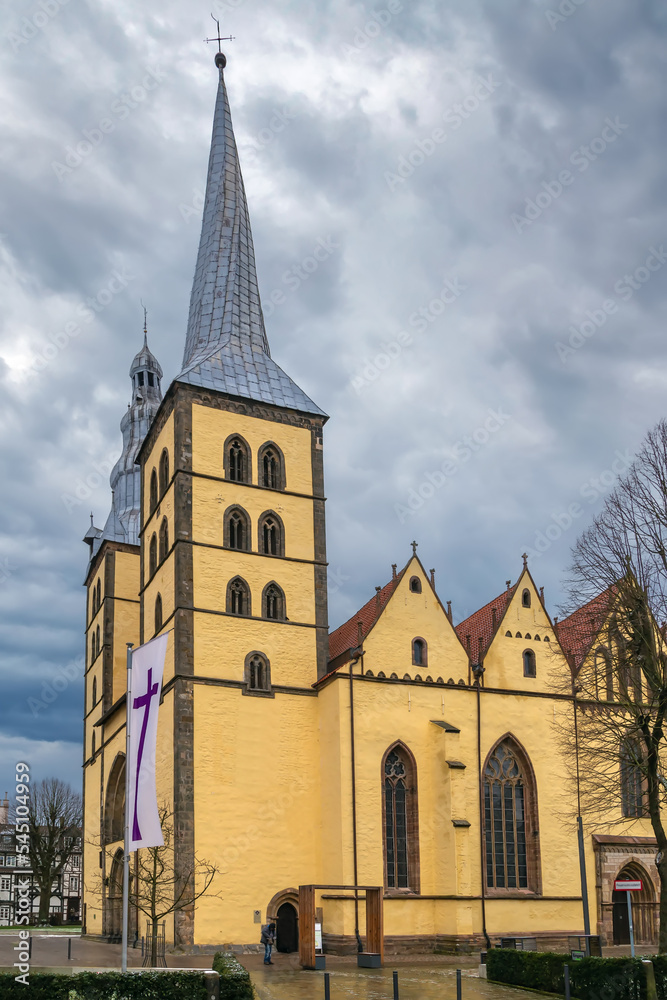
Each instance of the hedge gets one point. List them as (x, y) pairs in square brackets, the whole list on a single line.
[(105, 986), (590, 979), (235, 981)]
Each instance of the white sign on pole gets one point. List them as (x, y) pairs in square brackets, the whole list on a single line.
[(628, 885), (147, 669)]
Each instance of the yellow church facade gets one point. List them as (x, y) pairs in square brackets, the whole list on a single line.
[(397, 751)]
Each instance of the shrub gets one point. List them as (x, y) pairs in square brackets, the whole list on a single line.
[(235, 981), (106, 986), (590, 979)]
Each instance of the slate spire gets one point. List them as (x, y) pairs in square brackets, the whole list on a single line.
[(226, 347)]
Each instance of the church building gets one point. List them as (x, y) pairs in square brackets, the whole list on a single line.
[(399, 751)]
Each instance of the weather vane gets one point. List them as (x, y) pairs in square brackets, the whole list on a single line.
[(218, 38)]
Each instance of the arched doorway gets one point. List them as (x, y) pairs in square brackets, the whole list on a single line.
[(643, 909), (287, 929), (114, 901)]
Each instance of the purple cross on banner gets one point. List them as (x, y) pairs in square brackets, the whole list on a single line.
[(143, 813)]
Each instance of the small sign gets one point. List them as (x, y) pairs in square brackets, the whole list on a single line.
[(578, 956), (318, 937), (628, 885)]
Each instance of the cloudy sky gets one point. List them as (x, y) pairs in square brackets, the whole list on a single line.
[(486, 329)]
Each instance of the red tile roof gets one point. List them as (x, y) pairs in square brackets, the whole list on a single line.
[(577, 633), (480, 625), (346, 636)]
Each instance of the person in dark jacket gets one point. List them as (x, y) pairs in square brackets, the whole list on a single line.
[(268, 940)]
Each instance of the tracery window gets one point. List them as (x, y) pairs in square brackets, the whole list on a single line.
[(271, 535), (152, 554), (509, 835), (153, 491), (238, 597), (164, 471), (401, 838), (273, 602), (237, 529), (257, 672), (237, 460), (271, 467), (164, 539), (633, 802)]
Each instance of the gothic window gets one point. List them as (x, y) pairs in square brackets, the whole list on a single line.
[(415, 585), (238, 597), (525, 599), (114, 804), (273, 603), (271, 541), (158, 612), (164, 539), (604, 676), (419, 652), (510, 839), (92, 648), (97, 641), (529, 663), (257, 672), (94, 691), (401, 837), (632, 780), (164, 471), (271, 467), (99, 595), (93, 743), (153, 491), (237, 529), (152, 555), (237, 460)]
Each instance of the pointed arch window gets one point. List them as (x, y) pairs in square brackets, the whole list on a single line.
[(94, 691), (525, 599), (114, 803), (237, 529), (633, 798), (238, 597), (604, 675), (271, 464), (99, 595), (164, 539), (257, 672), (419, 652), (97, 641), (152, 554), (153, 491), (273, 602), (237, 459), (529, 663), (511, 844), (401, 828), (158, 612), (271, 535), (92, 648), (164, 471)]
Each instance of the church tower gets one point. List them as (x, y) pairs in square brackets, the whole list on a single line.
[(233, 563)]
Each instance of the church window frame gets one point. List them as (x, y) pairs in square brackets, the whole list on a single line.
[(239, 598), (97, 641), (152, 555), (158, 620), (415, 585), (153, 494), (274, 605), (257, 674), (94, 692), (400, 820), (164, 540), (236, 529), (526, 599), (271, 467), (529, 663), (604, 674), (92, 648), (164, 472), (419, 652), (270, 534), (237, 460), (511, 843), (634, 799), (114, 802)]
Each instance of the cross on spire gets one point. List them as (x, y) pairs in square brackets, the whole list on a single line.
[(145, 324), (414, 548), (525, 560), (218, 38)]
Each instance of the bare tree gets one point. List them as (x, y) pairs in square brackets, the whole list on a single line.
[(615, 643), (54, 824)]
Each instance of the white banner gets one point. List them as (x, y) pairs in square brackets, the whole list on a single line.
[(147, 668)]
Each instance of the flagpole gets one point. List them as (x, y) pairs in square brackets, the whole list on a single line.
[(126, 845)]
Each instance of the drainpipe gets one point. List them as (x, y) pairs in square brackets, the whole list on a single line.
[(478, 671), (359, 657), (580, 824)]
